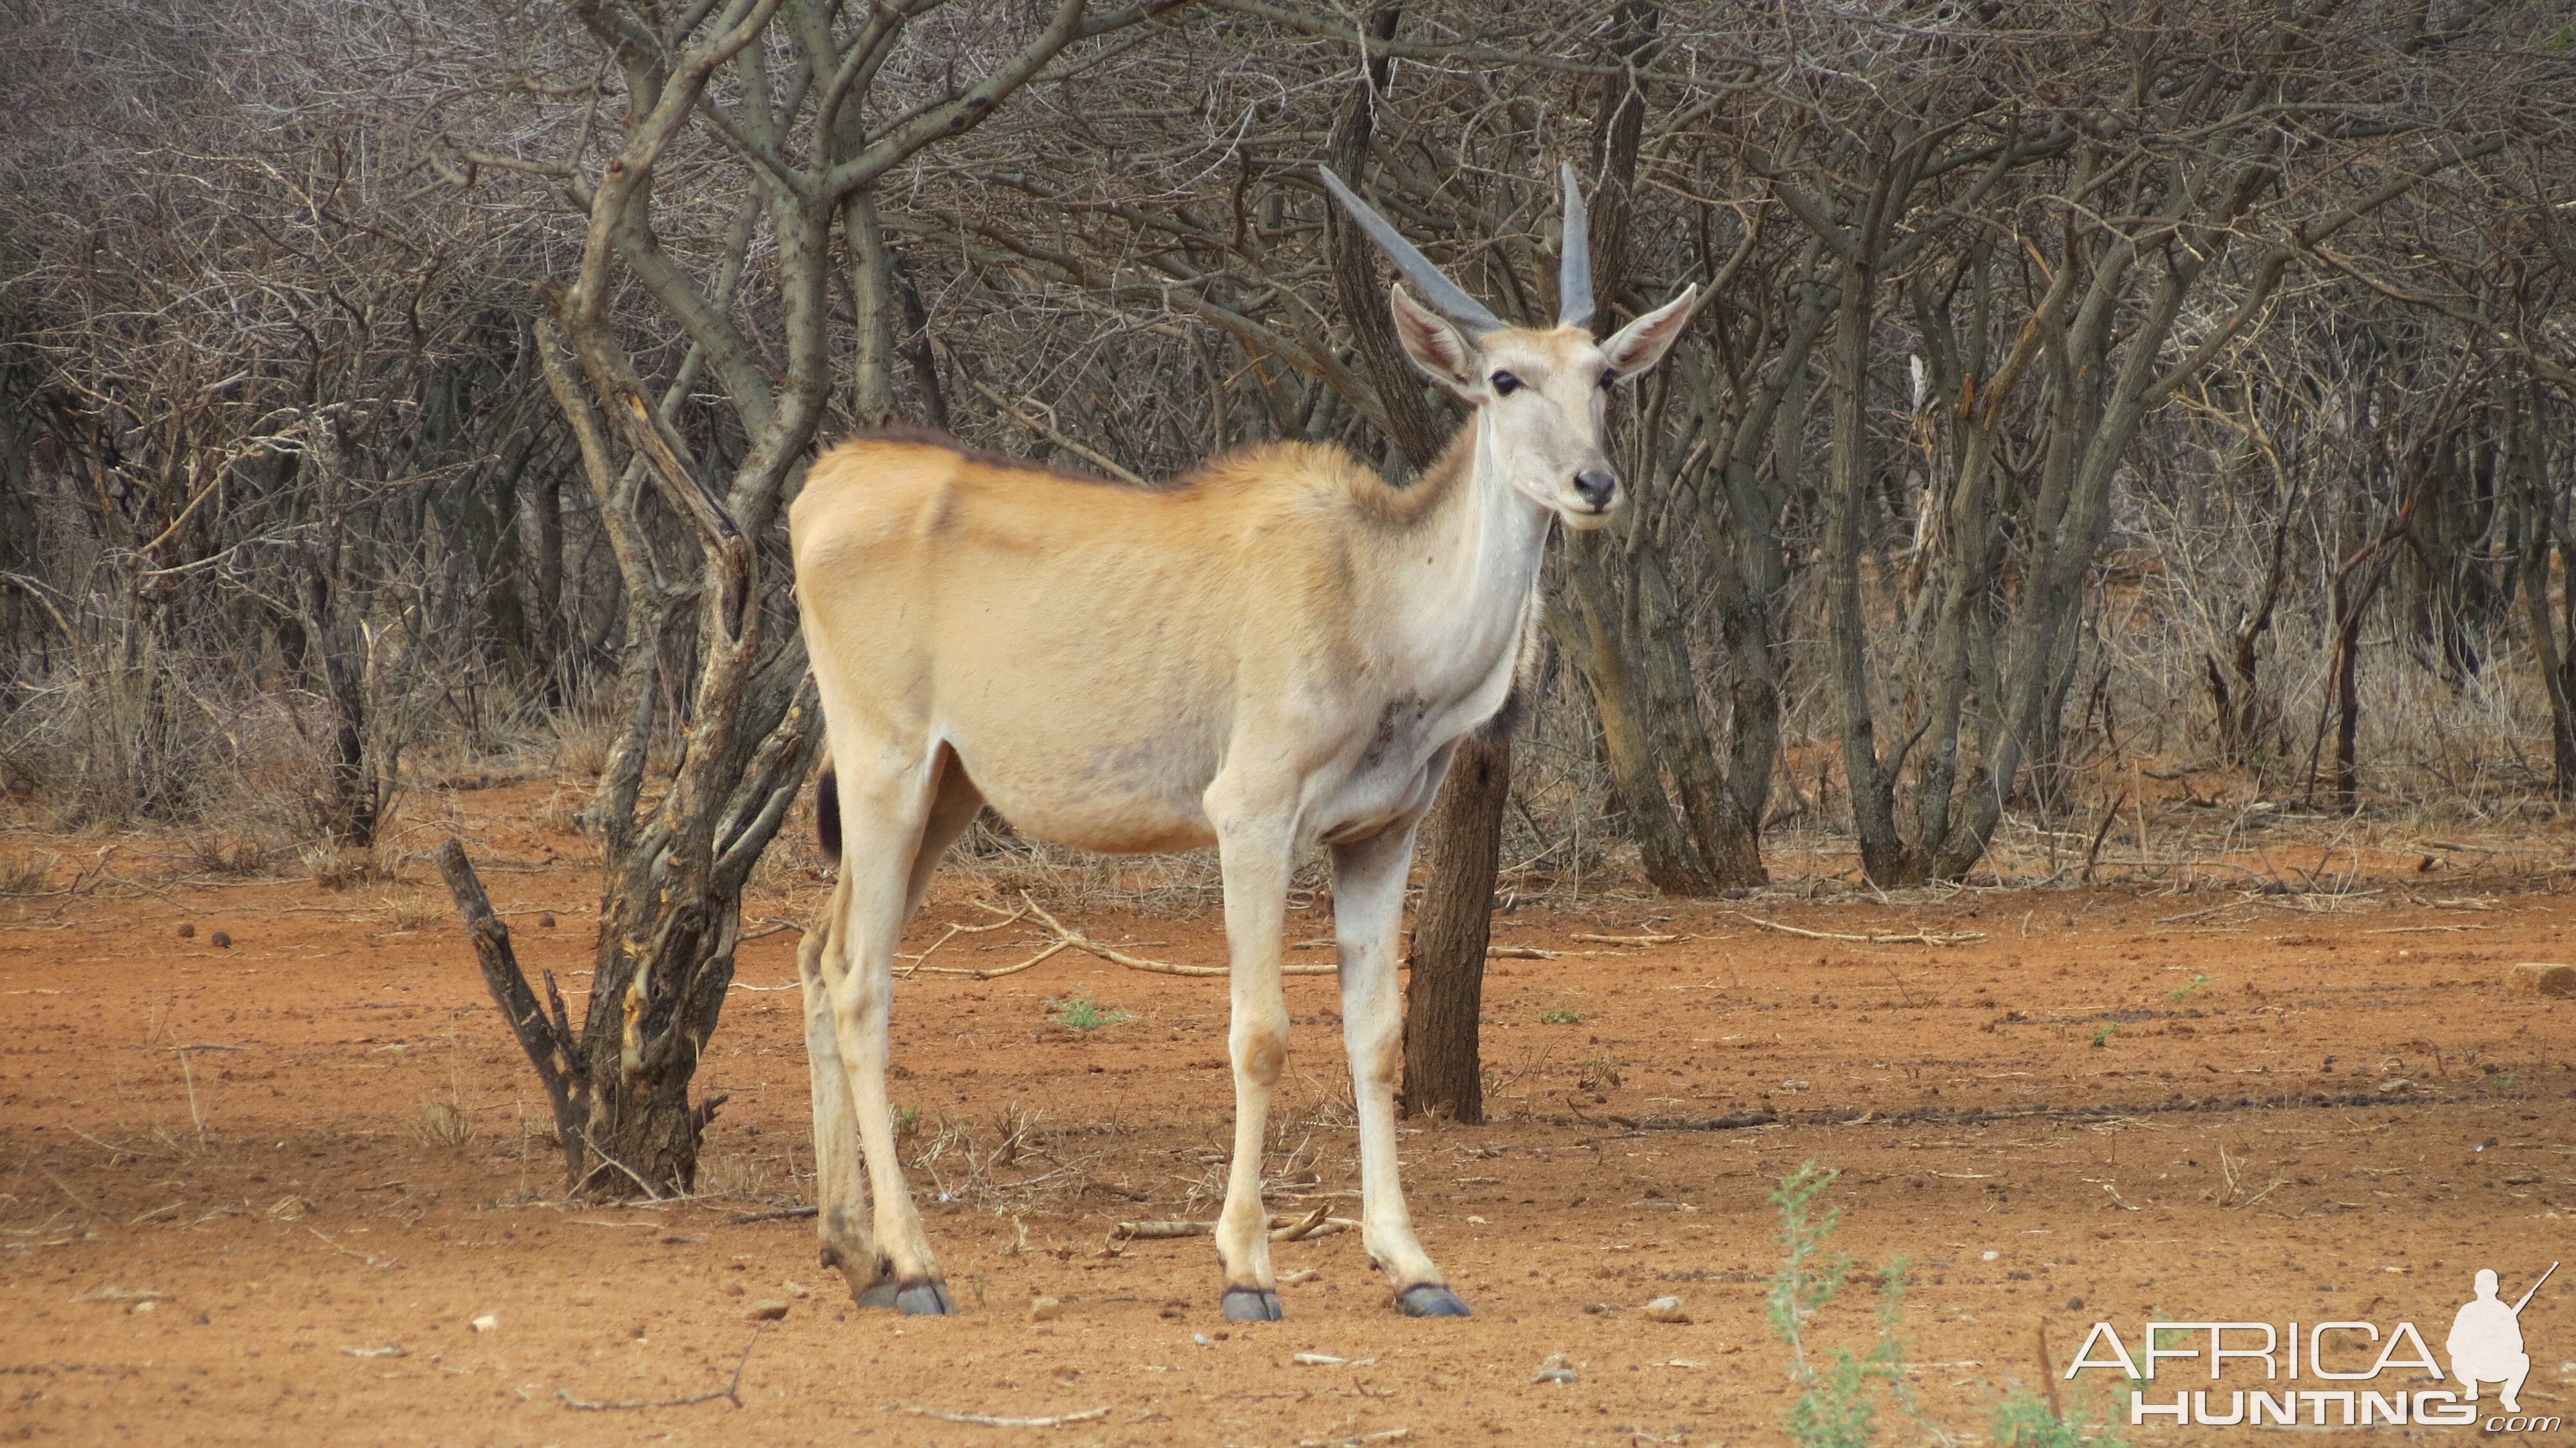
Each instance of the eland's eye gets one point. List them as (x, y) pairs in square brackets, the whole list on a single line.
[(1609, 379), (1505, 384)]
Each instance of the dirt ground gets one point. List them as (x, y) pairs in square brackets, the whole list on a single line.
[(263, 1193)]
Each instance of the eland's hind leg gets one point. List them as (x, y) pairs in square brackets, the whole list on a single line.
[(1368, 918), (892, 820), (841, 1203)]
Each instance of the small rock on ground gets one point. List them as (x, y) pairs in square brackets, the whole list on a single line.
[(2541, 978)]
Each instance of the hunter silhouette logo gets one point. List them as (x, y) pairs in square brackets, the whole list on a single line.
[(2362, 1372), (2486, 1341)]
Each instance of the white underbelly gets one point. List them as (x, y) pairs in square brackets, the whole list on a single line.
[(1102, 802)]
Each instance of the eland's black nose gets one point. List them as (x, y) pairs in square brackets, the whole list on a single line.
[(1596, 486)]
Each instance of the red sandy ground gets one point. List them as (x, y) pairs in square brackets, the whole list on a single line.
[(179, 1268)]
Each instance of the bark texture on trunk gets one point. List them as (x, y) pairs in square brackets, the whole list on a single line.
[(1443, 1072)]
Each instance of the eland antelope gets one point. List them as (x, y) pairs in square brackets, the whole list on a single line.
[(1280, 651)]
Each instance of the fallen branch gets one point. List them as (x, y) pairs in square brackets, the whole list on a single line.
[(1533, 952), (1141, 1231), (1298, 1231), (731, 1391), (2190, 915), (2428, 929), (1282, 1228), (989, 1420), (956, 929), (1629, 939), (781, 1215), (1068, 938), (1914, 937)]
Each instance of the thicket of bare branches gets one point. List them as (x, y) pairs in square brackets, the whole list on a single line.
[(276, 473), (276, 446), (2082, 389)]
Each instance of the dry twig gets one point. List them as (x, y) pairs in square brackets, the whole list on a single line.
[(1068, 938), (1282, 1228), (731, 1391), (991, 1420), (956, 929), (1912, 937), (1629, 939)]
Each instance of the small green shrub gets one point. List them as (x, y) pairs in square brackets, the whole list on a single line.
[(1838, 1391), (2027, 1420), (1079, 1012), (1561, 1015)]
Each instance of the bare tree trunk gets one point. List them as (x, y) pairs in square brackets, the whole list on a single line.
[(1589, 633), (1410, 423), (2245, 716), (547, 1039), (2356, 585), (1443, 1070), (1443, 1073), (711, 607), (1697, 824), (355, 778), (2544, 534)]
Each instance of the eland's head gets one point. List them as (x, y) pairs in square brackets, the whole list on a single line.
[(1540, 393)]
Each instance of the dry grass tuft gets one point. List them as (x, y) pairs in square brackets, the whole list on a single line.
[(1596, 1073), (744, 1176), (581, 739), (413, 910), (559, 815), (1008, 1163), (1334, 1108), (446, 1122), (230, 853), (336, 869), (26, 874)]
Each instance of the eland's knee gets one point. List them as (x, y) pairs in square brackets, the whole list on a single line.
[(1260, 1050)]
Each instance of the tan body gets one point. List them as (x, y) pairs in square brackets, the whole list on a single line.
[(1234, 622), (1281, 651)]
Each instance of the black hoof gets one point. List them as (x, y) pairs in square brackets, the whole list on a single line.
[(879, 1293), (923, 1299), (1251, 1304), (1430, 1299)]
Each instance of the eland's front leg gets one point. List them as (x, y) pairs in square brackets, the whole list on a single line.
[(1255, 862), (1368, 920)]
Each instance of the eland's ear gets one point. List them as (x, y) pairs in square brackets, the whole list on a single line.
[(1642, 343), (1442, 352)]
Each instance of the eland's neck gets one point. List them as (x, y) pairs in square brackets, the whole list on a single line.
[(1465, 567)]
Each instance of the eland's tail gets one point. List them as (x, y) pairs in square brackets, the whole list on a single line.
[(827, 814)]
